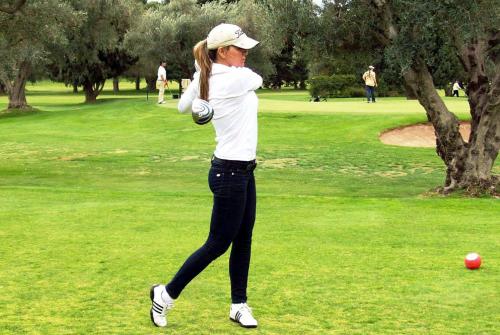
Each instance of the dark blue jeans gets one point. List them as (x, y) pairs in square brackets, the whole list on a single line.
[(233, 217), (370, 93)]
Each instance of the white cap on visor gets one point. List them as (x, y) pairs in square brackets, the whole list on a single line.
[(226, 34)]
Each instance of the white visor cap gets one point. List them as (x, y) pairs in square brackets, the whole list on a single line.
[(226, 34)]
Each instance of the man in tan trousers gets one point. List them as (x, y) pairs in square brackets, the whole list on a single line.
[(370, 83), (162, 81)]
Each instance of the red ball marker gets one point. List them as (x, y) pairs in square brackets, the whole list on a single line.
[(472, 261)]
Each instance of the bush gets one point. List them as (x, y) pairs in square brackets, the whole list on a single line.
[(335, 86), (347, 86), (384, 90), (355, 92), (319, 86)]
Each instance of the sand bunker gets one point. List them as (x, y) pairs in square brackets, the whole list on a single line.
[(419, 135)]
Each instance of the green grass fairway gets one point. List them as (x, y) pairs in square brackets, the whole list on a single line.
[(98, 202)]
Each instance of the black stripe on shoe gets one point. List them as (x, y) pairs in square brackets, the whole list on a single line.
[(152, 296), (158, 306)]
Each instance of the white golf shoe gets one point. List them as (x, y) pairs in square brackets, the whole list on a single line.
[(242, 314), (161, 302)]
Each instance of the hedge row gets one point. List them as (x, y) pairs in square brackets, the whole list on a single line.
[(345, 86)]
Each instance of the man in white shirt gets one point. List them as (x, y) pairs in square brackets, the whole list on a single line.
[(456, 88), (162, 81)]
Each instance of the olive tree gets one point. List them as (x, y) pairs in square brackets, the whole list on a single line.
[(95, 51), (29, 30), (290, 26), (410, 31), (169, 32)]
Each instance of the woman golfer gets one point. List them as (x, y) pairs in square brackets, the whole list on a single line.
[(229, 87)]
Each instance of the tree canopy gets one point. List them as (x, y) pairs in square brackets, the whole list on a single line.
[(95, 51), (29, 32), (170, 31)]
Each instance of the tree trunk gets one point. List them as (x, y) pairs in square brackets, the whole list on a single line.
[(3, 90), (482, 151), (484, 140), (179, 91), (137, 83), (151, 82), (448, 91), (449, 142), (17, 91), (90, 95), (484, 102), (468, 165), (116, 85), (409, 91), (12, 9), (75, 88), (92, 90)]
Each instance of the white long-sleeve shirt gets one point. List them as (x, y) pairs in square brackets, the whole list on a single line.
[(232, 96), (162, 74)]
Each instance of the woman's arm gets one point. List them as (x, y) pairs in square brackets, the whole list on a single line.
[(189, 95), (250, 81)]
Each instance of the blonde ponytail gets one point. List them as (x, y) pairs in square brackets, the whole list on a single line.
[(204, 58)]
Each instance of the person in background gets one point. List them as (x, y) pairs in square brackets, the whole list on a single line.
[(162, 81), (456, 88), (224, 84), (370, 80)]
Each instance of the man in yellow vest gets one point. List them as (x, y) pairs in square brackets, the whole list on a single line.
[(370, 83)]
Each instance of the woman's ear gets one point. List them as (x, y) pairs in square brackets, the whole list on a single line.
[(221, 53)]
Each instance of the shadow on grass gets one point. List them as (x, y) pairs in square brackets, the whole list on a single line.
[(18, 112), (128, 92), (101, 101), (67, 107)]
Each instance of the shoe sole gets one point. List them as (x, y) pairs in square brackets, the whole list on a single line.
[(230, 318), (152, 296)]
